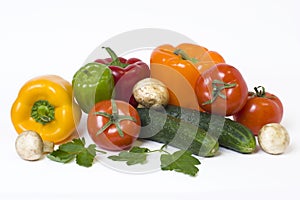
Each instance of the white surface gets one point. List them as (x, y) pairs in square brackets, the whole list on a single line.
[(259, 37)]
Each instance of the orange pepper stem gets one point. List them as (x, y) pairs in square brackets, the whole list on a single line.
[(114, 118), (184, 55), (42, 112)]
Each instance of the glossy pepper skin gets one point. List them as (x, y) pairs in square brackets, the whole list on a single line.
[(179, 67), (92, 83), (126, 74), (45, 104)]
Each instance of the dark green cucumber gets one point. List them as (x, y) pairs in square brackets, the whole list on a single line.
[(160, 127), (230, 134)]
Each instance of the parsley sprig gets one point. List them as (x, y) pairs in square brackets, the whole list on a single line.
[(75, 149), (180, 161)]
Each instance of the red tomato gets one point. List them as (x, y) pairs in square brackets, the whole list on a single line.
[(221, 90), (261, 108), (113, 125)]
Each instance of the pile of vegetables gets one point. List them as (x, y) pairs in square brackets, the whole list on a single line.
[(188, 98)]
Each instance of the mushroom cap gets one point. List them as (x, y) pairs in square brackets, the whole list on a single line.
[(29, 145), (273, 138), (151, 92)]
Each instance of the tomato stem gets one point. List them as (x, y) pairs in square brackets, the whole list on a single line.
[(217, 87), (260, 91), (114, 119)]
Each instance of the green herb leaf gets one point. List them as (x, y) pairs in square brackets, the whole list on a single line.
[(75, 149), (92, 149), (180, 161), (85, 158), (71, 147), (136, 149), (61, 156), (131, 158)]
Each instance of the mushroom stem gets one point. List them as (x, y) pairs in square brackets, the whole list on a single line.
[(48, 147)]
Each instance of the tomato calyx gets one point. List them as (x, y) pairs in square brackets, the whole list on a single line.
[(260, 91), (184, 56), (217, 87), (114, 119)]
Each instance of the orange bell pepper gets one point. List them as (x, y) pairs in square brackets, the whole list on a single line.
[(179, 67)]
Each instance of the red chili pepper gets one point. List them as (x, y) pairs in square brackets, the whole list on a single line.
[(126, 74)]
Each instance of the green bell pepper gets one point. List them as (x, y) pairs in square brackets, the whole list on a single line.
[(92, 83)]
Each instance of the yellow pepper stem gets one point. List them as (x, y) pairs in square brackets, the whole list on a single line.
[(42, 112)]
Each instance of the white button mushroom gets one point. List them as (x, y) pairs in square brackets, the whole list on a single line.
[(273, 138), (151, 92), (30, 146)]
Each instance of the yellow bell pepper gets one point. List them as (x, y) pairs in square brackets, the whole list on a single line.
[(45, 104)]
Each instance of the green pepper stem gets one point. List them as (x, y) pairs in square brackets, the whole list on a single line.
[(184, 55), (115, 59), (114, 118), (217, 87), (42, 112)]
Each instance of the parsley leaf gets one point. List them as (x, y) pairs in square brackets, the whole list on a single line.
[(92, 149), (61, 156), (85, 158), (136, 149), (75, 146), (131, 158), (75, 149), (180, 161), (136, 155)]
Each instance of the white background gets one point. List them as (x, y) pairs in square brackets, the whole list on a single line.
[(259, 37)]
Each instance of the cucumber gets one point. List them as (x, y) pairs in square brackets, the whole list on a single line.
[(230, 134), (163, 128)]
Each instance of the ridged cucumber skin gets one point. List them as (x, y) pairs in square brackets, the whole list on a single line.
[(162, 128), (230, 134)]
